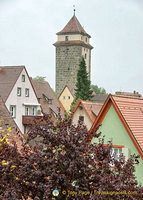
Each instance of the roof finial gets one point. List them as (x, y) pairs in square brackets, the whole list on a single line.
[(74, 9)]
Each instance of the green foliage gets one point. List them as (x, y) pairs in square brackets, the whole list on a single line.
[(83, 88), (98, 90), (39, 78)]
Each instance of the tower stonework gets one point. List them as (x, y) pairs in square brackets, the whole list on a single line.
[(73, 43)]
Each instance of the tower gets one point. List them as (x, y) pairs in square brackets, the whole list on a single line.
[(72, 43)]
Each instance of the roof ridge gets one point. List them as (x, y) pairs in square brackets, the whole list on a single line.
[(12, 66), (90, 102), (128, 97)]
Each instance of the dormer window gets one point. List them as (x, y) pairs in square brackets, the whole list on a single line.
[(48, 100), (66, 38), (23, 78)]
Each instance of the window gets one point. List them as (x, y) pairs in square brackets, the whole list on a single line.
[(85, 55), (64, 97), (23, 78), (27, 92), (30, 110), (33, 111), (49, 101), (26, 110), (18, 91), (81, 118), (115, 155), (66, 38), (86, 39), (69, 97), (13, 110), (116, 152)]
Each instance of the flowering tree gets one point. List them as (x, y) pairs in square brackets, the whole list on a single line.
[(62, 158)]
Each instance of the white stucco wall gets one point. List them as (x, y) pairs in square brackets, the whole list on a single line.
[(74, 37), (70, 37), (19, 101), (81, 112)]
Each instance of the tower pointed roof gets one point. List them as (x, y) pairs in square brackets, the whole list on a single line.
[(72, 27)]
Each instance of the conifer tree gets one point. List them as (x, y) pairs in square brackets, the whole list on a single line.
[(83, 86)]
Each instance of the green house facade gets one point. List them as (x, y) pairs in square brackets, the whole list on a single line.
[(121, 120)]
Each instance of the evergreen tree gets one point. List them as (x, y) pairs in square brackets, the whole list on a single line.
[(83, 86)]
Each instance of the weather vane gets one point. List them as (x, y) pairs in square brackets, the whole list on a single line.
[(74, 9)]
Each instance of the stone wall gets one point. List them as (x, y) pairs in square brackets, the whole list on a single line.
[(67, 65)]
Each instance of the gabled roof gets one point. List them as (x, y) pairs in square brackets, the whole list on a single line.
[(43, 89), (8, 78), (73, 26), (130, 112), (70, 88), (99, 98), (91, 109), (7, 120)]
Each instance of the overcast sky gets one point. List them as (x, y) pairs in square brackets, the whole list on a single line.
[(28, 30)]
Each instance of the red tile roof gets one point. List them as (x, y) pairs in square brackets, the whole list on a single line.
[(8, 78), (130, 112), (92, 109), (73, 26)]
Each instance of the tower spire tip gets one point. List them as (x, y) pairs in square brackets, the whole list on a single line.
[(74, 10)]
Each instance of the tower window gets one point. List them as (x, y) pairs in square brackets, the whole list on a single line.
[(66, 38), (85, 56)]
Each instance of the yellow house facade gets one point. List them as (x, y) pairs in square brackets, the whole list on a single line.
[(66, 97)]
